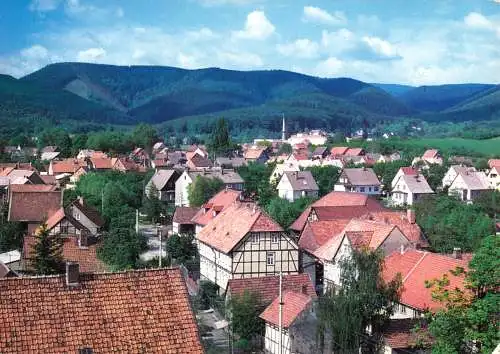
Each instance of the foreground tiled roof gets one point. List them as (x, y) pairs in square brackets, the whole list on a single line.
[(33, 206), (294, 304), (217, 203), (184, 215), (400, 334), (145, 311), (233, 224), (86, 257), (267, 288), (415, 268)]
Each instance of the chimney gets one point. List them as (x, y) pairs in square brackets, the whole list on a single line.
[(80, 200), (457, 253), (402, 249), (410, 214), (304, 289), (72, 274)]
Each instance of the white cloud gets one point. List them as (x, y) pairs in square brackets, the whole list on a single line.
[(301, 48), (329, 67), (240, 60), (91, 55), (338, 41), (35, 52), (478, 21), (380, 47), (204, 33), (187, 61), (257, 26), (44, 5), (318, 15)]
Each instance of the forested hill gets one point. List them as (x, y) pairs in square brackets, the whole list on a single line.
[(179, 97)]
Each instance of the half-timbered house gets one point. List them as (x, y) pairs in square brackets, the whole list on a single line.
[(244, 242)]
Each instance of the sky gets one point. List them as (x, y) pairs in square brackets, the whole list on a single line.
[(415, 42)]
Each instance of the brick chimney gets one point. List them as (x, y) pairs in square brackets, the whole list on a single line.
[(304, 289), (457, 253), (72, 274), (410, 214), (83, 240)]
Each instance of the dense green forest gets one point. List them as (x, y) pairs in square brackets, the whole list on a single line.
[(84, 97)]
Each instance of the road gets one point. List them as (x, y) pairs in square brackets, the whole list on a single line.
[(153, 242)]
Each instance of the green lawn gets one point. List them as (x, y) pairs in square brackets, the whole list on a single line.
[(487, 147)]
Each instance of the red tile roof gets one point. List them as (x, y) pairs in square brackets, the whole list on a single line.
[(66, 166), (218, 203), (339, 150), (101, 163), (254, 153), (294, 304), (184, 215), (409, 171), (354, 152), (233, 224), (26, 188), (399, 334), (33, 206), (86, 257), (134, 312), (494, 163), (267, 288), (317, 233), (415, 268), (429, 154)]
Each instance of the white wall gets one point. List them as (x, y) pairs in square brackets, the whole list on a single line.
[(271, 340), (181, 191), (331, 274)]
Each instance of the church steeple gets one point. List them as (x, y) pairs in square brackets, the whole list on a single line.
[(283, 130)]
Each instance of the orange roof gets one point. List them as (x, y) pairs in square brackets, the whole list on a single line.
[(20, 188), (339, 150), (293, 305), (233, 224), (341, 199), (429, 154), (218, 203), (136, 311), (415, 268), (494, 163), (409, 171), (354, 152), (33, 206), (66, 166), (268, 287), (86, 257), (317, 233), (101, 163), (254, 153)]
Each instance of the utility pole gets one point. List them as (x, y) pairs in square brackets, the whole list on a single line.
[(136, 221), (102, 201), (159, 258), (280, 316)]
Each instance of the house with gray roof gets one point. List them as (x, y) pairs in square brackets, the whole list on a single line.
[(409, 189), (164, 182), (359, 180), (297, 184), (469, 185)]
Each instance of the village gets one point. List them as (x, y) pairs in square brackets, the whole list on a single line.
[(253, 243)]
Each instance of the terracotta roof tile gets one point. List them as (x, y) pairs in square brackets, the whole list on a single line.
[(184, 215), (267, 288), (233, 224), (429, 154), (137, 311), (409, 171), (66, 166), (354, 152), (254, 153), (339, 150), (86, 257), (415, 268), (317, 233), (293, 305), (494, 163), (101, 163), (33, 206), (217, 203), (198, 161), (399, 334)]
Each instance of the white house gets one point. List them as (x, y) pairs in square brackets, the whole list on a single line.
[(469, 185), (453, 172), (244, 242), (357, 234), (494, 177), (410, 171), (281, 168), (230, 178), (361, 180), (431, 156), (314, 137), (410, 189), (164, 182), (296, 185)]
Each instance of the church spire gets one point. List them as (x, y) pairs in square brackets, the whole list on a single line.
[(283, 130)]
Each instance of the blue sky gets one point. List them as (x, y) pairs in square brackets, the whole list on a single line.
[(414, 42)]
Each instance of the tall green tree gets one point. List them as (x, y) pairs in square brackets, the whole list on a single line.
[(285, 212), (364, 299), (245, 310), (152, 205), (144, 135), (181, 248), (220, 140), (202, 189), (325, 177), (469, 321), (47, 258), (11, 235), (121, 248)]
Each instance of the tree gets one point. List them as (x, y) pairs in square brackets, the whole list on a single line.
[(181, 248), (449, 223), (144, 135), (325, 177), (245, 310), (11, 236), (386, 171), (256, 177), (285, 149), (362, 300), (153, 207), (47, 257), (202, 189), (434, 175), (121, 248), (220, 141), (469, 321), (285, 212)]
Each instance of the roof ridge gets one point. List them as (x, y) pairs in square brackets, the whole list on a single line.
[(415, 266)]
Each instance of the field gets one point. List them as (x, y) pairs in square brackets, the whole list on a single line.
[(487, 147)]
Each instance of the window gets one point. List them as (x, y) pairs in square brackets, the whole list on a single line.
[(375, 189), (275, 238), (361, 189), (254, 238), (64, 229), (270, 258), (77, 216), (369, 189)]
